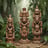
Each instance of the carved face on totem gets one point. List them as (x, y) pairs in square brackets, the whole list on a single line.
[(37, 11), (24, 19), (10, 19), (37, 27), (10, 31), (9, 24), (24, 29), (37, 14), (10, 16), (37, 18)]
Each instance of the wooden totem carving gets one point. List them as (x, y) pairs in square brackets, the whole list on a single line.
[(24, 24), (37, 25), (10, 32)]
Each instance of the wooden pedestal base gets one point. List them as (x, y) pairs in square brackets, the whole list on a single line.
[(36, 42), (24, 41)]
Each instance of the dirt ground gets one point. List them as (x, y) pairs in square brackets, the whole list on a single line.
[(31, 45)]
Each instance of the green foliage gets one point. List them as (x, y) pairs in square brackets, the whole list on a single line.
[(30, 36), (18, 36), (46, 38), (17, 33), (6, 45), (1, 20), (9, 45), (1, 27)]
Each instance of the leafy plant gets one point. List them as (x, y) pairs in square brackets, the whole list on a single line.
[(7, 45), (30, 36)]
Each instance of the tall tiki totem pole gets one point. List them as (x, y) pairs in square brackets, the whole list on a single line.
[(24, 25), (37, 25), (10, 32)]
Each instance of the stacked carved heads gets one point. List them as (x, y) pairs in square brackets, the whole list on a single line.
[(10, 32), (37, 24), (24, 24)]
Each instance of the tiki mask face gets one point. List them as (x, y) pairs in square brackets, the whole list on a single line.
[(24, 19), (37, 27), (10, 16), (9, 24), (24, 29), (37, 18)]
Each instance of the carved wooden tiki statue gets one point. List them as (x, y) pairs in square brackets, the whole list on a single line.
[(37, 25), (24, 24), (10, 32)]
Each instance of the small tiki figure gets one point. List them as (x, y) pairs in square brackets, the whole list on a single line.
[(37, 25), (24, 24), (10, 32)]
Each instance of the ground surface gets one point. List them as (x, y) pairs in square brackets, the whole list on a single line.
[(32, 45)]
